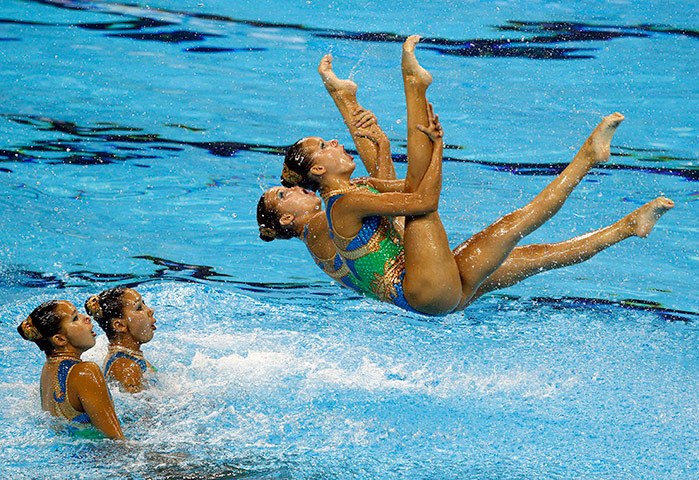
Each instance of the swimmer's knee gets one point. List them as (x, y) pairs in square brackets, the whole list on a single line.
[(426, 297)]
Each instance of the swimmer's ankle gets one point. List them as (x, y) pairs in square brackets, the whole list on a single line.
[(642, 220), (596, 148), (333, 84), (413, 73)]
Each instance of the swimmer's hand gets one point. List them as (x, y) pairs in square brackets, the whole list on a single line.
[(368, 127), (363, 118), (433, 129)]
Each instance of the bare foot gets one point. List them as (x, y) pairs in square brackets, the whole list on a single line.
[(596, 148), (642, 220), (413, 73), (330, 80)]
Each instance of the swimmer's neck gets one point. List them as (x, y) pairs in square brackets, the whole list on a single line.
[(314, 221), (67, 351), (334, 182), (126, 341)]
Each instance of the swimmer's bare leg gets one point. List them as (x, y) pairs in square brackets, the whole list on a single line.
[(487, 250), (416, 80), (344, 94), (432, 281), (528, 260)]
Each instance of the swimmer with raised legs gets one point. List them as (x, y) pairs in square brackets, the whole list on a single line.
[(71, 389), (473, 263), (128, 323), (374, 150), (304, 217), (527, 260)]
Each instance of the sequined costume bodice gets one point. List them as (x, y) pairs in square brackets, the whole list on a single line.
[(63, 407), (334, 267), (374, 255)]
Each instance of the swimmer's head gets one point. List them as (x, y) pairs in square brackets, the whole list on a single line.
[(121, 311), (297, 165), (282, 212), (312, 160), (43, 323), (57, 322), (270, 222)]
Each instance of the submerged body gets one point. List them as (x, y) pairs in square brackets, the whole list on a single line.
[(128, 323), (71, 389)]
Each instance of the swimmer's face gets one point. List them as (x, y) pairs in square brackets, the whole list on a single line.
[(138, 317), (295, 201), (75, 327), (329, 154)]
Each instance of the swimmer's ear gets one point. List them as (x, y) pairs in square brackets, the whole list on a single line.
[(119, 325), (317, 170), (59, 340), (286, 219)]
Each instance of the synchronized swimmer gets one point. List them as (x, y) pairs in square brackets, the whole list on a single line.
[(71, 389), (128, 324), (417, 270), (77, 391), (379, 235)]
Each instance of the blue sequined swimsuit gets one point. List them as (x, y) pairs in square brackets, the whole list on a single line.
[(334, 267), (141, 362), (375, 255), (63, 407)]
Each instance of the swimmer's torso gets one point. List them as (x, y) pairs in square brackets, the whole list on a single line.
[(334, 266), (374, 255), (54, 391), (115, 353)]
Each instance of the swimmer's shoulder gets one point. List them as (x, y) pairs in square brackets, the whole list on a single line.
[(85, 371), (128, 373)]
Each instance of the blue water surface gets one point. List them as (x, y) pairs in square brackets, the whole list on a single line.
[(138, 136)]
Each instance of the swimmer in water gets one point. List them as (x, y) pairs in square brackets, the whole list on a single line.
[(71, 389), (419, 272), (128, 323)]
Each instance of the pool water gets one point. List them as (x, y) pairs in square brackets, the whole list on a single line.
[(137, 138)]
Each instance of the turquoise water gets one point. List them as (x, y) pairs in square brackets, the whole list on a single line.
[(138, 138)]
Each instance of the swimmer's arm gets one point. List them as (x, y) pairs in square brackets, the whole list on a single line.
[(87, 381), (377, 160), (386, 186), (381, 185), (349, 211), (128, 374)]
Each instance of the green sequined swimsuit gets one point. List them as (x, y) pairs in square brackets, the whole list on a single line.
[(374, 256)]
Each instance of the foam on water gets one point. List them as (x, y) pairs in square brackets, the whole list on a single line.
[(236, 394)]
